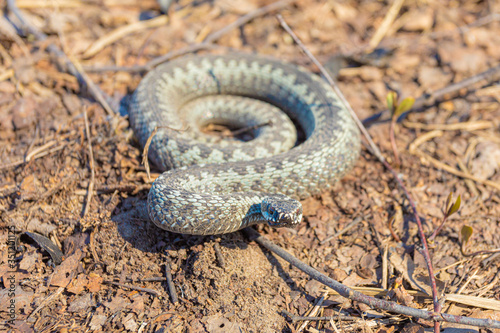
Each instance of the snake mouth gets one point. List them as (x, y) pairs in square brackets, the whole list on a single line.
[(280, 211)]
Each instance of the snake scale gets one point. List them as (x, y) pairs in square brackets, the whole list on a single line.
[(220, 186)]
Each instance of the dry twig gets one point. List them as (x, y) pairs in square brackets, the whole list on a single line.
[(52, 297)]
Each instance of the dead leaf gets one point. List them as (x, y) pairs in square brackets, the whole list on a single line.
[(487, 161), (65, 272), (94, 282)]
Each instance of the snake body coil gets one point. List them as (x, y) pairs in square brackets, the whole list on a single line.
[(215, 187)]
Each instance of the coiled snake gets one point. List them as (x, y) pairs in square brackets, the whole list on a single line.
[(215, 187)]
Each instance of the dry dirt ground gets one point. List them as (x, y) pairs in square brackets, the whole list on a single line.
[(228, 283)]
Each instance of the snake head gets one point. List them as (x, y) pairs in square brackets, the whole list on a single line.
[(281, 211)]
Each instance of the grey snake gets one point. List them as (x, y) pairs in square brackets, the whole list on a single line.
[(216, 186)]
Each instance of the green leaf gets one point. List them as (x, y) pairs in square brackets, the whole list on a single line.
[(404, 106), (391, 100), (466, 234), (456, 206)]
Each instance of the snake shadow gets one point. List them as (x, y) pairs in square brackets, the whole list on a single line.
[(134, 227)]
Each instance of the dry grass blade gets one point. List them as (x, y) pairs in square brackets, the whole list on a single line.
[(464, 126), (121, 32), (424, 138), (313, 311), (41, 154), (446, 167), (6, 75), (474, 301), (38, 150), (413, 149), (145, 151), (72, 66), (206, 44), (360, 297), (389, 18)]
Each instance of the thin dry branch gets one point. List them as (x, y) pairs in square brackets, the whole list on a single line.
[(90, 190), (295, 318), (247, 18), (372, 146)]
